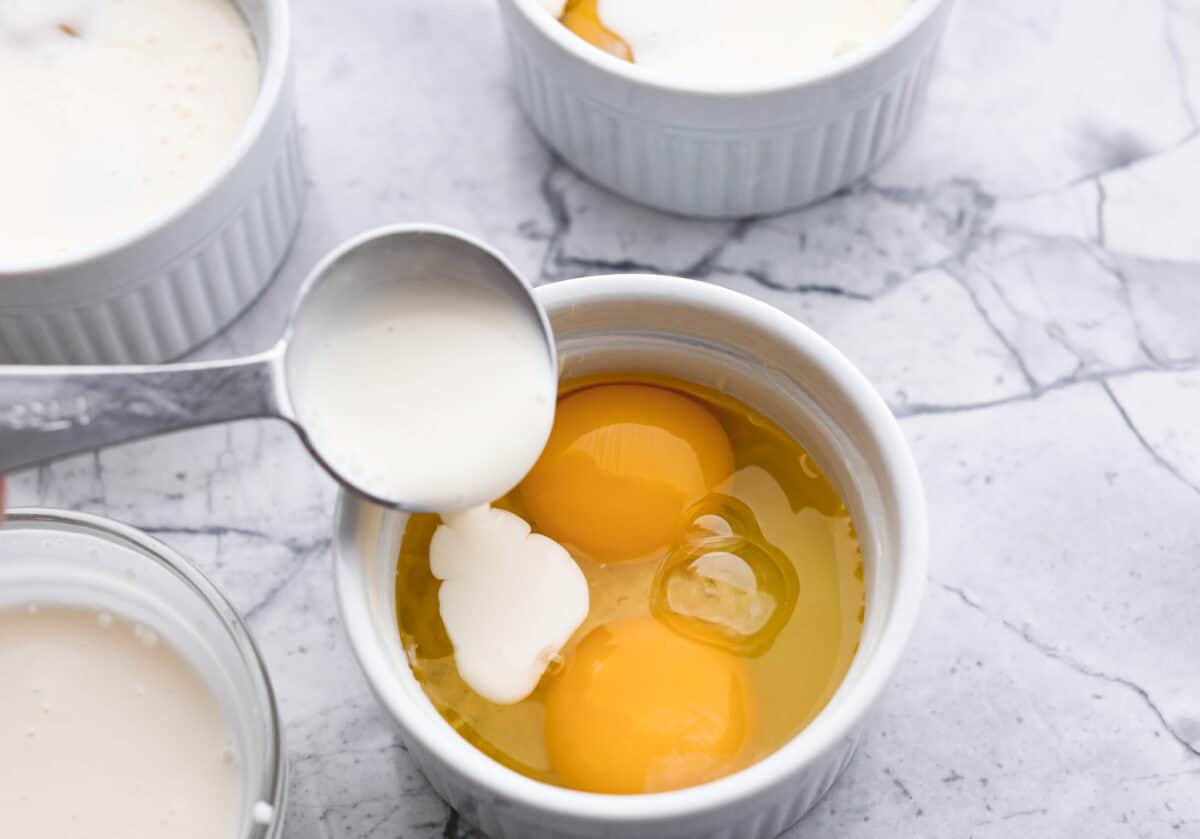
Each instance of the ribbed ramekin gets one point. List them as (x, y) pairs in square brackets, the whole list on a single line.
[(721, 151), (161, 289), (759, 355)]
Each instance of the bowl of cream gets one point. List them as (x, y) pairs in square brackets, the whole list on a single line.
[(152, 182), (135, 702), (723, 108), (507, 598)]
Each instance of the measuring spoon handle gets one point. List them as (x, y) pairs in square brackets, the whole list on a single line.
[(50, 412)]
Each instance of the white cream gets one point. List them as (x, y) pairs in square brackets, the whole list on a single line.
[(510, 599), (107, 731), (440, 391), (745, 40), (113, 111)]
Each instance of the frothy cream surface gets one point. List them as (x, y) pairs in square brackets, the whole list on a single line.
[(745, 40), (107, 731), (114, 110)]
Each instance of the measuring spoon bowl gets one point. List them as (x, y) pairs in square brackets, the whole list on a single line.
[(49, 412)]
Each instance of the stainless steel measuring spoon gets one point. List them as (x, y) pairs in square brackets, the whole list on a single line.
[(50, 412)]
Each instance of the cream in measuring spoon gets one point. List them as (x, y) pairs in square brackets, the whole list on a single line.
[(113, 110), (440, 389), (108, 732)]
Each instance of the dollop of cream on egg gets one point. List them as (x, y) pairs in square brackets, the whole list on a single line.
[(510, 599)]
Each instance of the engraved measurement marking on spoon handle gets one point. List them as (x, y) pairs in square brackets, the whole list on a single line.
[(47, 414)]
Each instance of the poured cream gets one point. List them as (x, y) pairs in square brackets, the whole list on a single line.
[(510, 599), (108, 732), (743, 40), (114, 110)]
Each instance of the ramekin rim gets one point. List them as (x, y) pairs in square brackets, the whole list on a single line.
[(271, 89), (909, 23), (816, 739)]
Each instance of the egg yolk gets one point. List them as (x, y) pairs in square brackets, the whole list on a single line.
[(637, 708), (583, 18), (622, 465)]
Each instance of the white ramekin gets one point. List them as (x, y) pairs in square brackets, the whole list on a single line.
[(720, 150), (54, 557), (760, 355), (162, 288)]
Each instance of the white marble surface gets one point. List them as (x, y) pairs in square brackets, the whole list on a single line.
[(1021, 282)]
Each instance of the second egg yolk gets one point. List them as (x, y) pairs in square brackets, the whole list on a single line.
[(638, 709), (622, 465)]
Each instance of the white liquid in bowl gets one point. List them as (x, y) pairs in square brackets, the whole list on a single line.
[(108, 732), (113, 110), (745, 40)]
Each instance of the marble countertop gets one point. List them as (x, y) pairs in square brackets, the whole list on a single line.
[(1021, 282)]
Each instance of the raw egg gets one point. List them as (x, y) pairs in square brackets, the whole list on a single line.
[(638, 708), (623, 464), (725, 593)]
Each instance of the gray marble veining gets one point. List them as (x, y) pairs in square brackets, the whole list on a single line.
[(1021, 281)]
